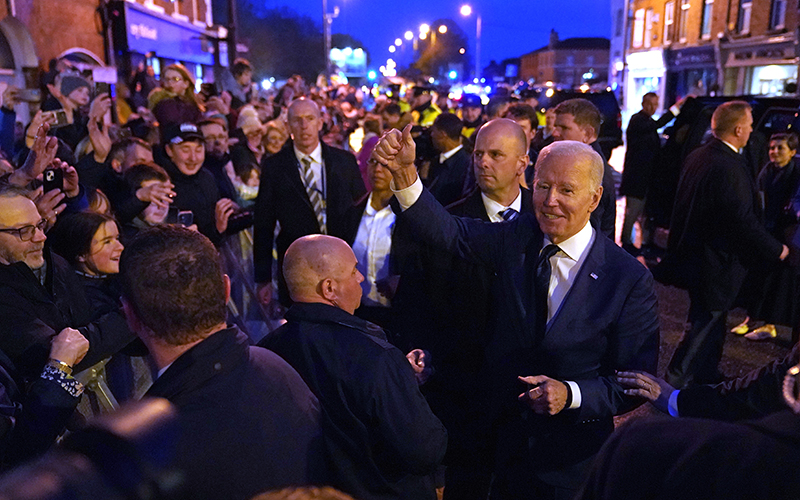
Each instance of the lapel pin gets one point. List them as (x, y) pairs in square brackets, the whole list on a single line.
[(594, 276)]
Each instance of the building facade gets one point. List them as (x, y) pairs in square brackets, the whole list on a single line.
[(569, 63), (706, 47)]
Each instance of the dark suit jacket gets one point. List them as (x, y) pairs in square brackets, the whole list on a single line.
[(248, 422), (604, 217), (665, 459), (282, 198), (447, 181), (715, 231), (444, 306), (383, 436), (607, 322), (642, 146)]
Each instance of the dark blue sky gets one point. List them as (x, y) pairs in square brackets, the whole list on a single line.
[(510, 28)]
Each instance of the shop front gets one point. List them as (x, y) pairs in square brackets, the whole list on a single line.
[(691, 71), (144, 37), (646, 73), (767, 66)]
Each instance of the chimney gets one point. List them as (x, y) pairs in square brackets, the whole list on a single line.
[(553, 39)]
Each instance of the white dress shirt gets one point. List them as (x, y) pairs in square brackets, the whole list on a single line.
[(444, 156), (371, 247), (494, 209)]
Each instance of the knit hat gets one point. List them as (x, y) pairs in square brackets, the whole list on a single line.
[(248, 120), (70, 83)]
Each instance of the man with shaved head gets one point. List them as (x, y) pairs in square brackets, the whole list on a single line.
[(383, 438), (570, 309), (307, 187)]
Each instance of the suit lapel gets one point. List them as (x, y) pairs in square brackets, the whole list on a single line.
[(587, 283)]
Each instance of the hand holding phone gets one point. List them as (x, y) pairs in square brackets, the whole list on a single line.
[(53, 179)]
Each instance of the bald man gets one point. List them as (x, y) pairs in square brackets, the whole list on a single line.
[(307, 187), (572, 307), (383, 437)]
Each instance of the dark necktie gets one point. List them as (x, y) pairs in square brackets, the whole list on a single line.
[(542, 286), (317, 202), (508, 214)]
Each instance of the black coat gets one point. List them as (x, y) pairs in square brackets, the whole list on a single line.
[(248, 422), (664, 459), (197, 193), (383, 436), (282, 198), (604, 217), (642, 147), (715, 230), (449, 181), (32, 314)]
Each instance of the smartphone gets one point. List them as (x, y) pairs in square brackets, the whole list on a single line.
[(209, 89), (53, 179), (59, 118), (184, 218), (29, 95), (172, 216), (102, 88)]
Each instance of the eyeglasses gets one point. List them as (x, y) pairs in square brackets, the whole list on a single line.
[(174, 79), (26, 233)]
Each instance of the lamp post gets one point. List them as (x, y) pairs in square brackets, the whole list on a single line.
[(466, 11), (327, 19)]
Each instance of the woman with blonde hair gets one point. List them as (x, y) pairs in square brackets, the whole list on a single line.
[(175, 101)]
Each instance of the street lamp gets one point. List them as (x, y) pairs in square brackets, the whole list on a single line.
[(398, 42), (327, 20), (408, 36), (466, 11), (443, 29), (392, 48)]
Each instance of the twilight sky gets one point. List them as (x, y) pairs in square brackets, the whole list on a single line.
[(510, 28)]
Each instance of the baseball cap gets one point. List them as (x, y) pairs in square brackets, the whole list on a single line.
[(185, 132)]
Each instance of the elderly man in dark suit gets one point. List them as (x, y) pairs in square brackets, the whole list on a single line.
[(714, 234), (307, 187), (572, 307), (641, 148)]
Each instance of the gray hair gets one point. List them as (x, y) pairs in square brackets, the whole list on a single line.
[(577, 153)]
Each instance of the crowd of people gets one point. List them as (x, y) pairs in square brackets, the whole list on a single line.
[(455, 315)]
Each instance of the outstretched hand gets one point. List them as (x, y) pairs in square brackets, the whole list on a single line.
[(650, 387)]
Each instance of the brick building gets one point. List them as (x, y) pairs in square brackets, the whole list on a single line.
[(158, 32), (569, 62), (731, 47)]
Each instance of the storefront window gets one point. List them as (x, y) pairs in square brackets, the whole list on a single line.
[(771, 80)]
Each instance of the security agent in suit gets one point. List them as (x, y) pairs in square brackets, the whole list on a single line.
[(579, 120), (285, 197), (642, 146), (449, 174), (444, 306), (714, 235), (597, 315), (382, 437), (248, 422)]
